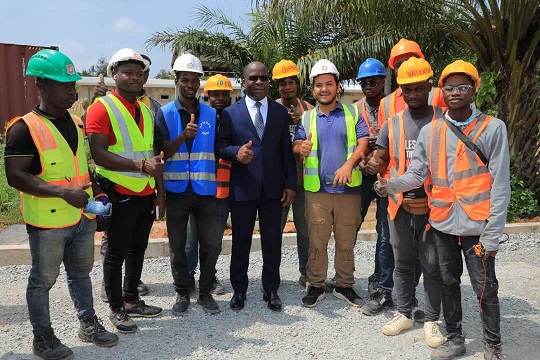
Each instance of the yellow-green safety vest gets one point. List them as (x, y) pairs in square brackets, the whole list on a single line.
[(130, 143), (312, 180), (58, 167)]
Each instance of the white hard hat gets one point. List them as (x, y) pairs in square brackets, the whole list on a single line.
[(323, 66), (126, 54), (189, 63)]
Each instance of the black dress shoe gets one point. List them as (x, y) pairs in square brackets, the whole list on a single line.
[(273, 300), (237, 301)]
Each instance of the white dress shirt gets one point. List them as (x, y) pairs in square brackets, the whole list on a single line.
[(250, 103)]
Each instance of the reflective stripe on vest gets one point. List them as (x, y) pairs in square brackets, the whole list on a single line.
[(472, 180), (58, 167), (312, 181), (398, 157), (197, 167), (130, 143), (223, 177), (365, 115)]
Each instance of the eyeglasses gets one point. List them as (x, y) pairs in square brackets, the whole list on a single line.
[(449, 89), (371, 83), (254, 78)]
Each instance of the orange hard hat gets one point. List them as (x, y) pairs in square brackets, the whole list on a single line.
[(283, 69), (217, 82), (460, 67), (404, 46), (414, 70)]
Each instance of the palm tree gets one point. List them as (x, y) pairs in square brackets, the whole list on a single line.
[(502, 35)]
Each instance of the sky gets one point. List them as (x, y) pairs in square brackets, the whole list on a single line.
[(86, 30)]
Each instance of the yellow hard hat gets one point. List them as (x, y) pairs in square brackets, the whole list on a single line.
[(283, 69), (217, 82), (414, 70), (404, 46), (460, 67)]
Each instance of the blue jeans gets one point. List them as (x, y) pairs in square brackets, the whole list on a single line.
[(192, 244), (300, 223), (73, 245), (412, 243), (483, 281), (384, 256)]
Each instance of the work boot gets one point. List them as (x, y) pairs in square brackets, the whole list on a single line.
[(493, 352), (92, 330), (181, 305), (138, 308), (122, 322), (48, 347), (373, 283), (208, 303), (398, 323), (450, 349), (218, 288), (380, 301)]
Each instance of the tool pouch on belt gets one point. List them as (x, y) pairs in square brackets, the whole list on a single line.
[(416, 206)]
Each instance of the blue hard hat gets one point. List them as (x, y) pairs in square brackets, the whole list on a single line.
[(371, 67)]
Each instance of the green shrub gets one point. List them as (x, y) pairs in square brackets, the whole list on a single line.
[(9, 197), (522, 205)]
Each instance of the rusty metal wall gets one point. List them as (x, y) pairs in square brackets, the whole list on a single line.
[(18, 93)]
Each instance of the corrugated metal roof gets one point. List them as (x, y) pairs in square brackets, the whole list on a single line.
[(18, 93)]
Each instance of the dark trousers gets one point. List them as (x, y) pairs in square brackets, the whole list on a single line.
[(411, 243), (384, 256), (127, 240), (483, 281), (300, 224), (243, 215), (203, 209)]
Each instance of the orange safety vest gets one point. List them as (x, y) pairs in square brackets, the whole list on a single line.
[(394, 103), (223, 177), (396, 149), (472, 180), (361, 104)]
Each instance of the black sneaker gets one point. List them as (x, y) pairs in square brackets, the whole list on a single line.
[(48, 347), (450, 349), (373, 284), (217, 287), (208, 303), (143, 289), (379, 302), (140, 309), (92, 330), (349, 295), (418, 314), (181, 306), (314, 295), (122, 322)]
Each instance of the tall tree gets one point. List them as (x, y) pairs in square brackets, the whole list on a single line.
[(100, 67)]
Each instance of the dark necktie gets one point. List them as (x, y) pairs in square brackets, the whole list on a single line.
[(259, 123)]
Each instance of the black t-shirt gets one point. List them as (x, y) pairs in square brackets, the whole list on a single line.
[(19, 142)]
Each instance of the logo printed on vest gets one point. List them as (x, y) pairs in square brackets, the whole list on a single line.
[(205, 127)]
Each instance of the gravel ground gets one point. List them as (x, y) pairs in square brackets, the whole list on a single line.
[(331, 330)]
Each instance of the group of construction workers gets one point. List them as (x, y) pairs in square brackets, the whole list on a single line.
[(436, 165)]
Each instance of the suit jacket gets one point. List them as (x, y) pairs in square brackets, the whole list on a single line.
[(273, 167)]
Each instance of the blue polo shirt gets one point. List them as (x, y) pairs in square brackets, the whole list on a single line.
[(332, 152)]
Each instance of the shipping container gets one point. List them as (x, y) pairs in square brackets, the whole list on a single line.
[(18, 93)]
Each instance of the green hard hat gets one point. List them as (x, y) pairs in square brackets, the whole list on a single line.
[(52, 64)]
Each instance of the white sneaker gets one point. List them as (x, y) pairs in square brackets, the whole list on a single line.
[(433, 336), (395, 326)]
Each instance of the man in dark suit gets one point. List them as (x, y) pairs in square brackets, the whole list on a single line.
[(254, 135)]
